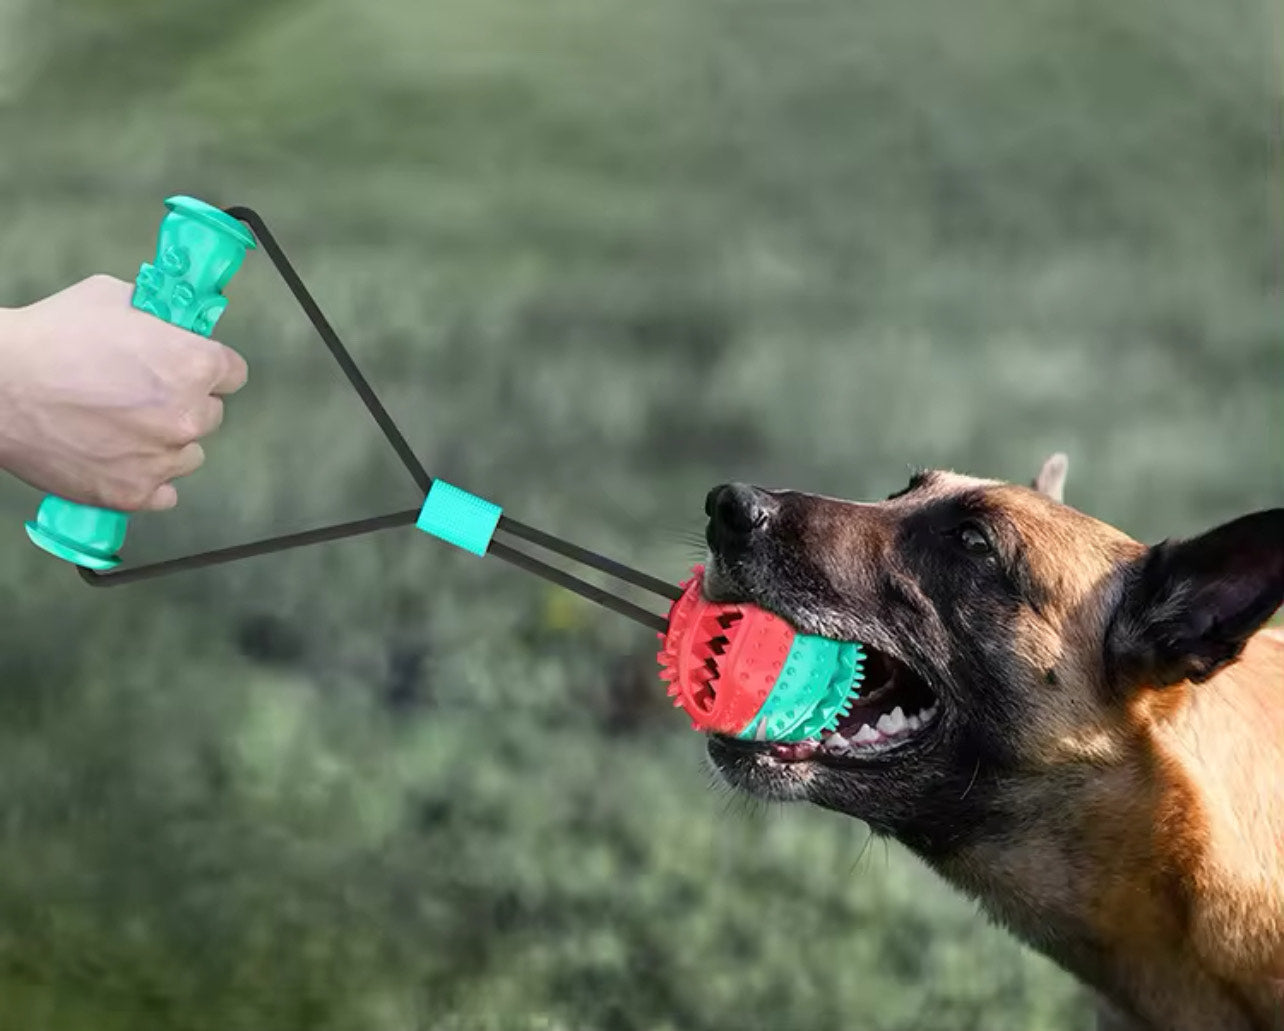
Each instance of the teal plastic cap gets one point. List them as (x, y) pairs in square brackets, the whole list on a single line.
[(88, 536)]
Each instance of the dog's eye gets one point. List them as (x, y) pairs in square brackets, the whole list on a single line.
[(973, 540)]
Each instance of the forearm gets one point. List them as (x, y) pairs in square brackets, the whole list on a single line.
[(10, 349)]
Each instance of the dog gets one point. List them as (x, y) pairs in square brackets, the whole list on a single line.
[(1083, 733)]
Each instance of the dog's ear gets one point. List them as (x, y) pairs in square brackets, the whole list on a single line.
[(1187, 607), (1052, 477)]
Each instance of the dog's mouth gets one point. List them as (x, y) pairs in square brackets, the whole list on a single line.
[(892, 708)]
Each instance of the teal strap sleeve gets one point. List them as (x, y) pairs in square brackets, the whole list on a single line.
[(460, 518)]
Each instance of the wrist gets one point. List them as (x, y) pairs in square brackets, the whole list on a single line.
[(11, 332)]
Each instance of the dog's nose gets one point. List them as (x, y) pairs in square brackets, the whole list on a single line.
[(735, 510)]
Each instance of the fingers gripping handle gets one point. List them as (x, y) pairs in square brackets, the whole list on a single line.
[(198, 250)]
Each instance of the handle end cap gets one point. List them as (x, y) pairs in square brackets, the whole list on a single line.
[(81, 534), (68, 552)]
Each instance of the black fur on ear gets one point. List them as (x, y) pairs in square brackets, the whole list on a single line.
[(1189, 606)]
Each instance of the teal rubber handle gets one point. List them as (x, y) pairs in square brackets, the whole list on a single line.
[(198, 250)]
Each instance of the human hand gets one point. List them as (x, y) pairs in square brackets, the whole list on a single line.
[(103, 404)]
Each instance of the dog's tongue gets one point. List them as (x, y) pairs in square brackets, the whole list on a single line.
[(795, 751)]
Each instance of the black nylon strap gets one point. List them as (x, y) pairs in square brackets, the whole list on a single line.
[(590, 558), (331, 339), (423, 481), (129, 575)]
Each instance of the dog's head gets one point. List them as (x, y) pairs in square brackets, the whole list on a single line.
[(1007, 633)]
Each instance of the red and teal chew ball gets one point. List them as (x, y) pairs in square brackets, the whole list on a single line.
[(741, 671)]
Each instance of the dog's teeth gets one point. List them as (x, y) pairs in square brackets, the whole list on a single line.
[(761, 733), (836, 742), (912, 722), (892, 722), (867, 735)]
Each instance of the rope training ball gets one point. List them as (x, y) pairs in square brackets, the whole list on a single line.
[(736, 670)]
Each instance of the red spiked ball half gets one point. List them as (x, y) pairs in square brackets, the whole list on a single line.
[(721, 661)]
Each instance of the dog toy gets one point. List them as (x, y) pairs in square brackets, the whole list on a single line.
[(742, 671), (734, 669)]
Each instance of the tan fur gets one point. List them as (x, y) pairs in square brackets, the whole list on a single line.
[(1224, 750), (1174, 853), (1175, 850)]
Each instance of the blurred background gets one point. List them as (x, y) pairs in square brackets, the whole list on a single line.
[(596, 255)]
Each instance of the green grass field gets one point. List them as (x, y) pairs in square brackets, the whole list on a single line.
[(596, 257)]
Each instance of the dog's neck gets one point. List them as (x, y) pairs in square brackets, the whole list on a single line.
[(1226, 743), (1160, 880)]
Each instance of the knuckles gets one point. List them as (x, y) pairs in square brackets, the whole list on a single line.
[(130, 496), (188, 425)]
